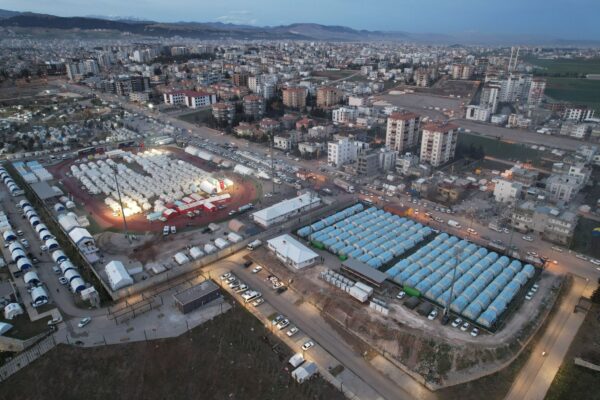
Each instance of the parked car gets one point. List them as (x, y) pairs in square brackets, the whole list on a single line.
[(292, 331), (225, 276), (529, 295), (432, 315), (55, 321), (84, 321), (281, 289), (457, 322), (258, 302), (401, 295), (475, 332), (528, 238), (277, 319), (307, 345), (464, 327), (283, 323), (257, 269), (247, 264)]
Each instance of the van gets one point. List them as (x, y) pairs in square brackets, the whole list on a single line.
[(253, 245), (165, 230), (173, 229)]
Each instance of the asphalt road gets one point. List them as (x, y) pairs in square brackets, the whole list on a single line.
[(308, 319)]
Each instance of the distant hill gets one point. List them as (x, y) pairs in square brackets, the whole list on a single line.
[(7, 14)]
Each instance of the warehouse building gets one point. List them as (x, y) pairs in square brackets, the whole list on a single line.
[(196, 296), (286, 209)]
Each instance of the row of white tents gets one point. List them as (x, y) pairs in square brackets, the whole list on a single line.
[(199, 251)]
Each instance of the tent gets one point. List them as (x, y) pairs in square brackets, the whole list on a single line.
[(31, 278), (4, 327), (118, 277), (181, 258), (12, 310)]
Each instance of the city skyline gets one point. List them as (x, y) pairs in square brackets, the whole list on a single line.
[(464, 17)]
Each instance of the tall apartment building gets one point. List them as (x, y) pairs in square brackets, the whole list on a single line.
[(240, 79), (402, 131), (367, 163), (328, 96), (254, 106), (344, 115), (489, 97), (254, 83), (438, 143), (223, 112), (515, 88), (294, 97), (462, 71), (78, 69), (343, 150), (536, 92)]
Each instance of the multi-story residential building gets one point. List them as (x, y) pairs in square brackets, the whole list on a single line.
[(406, 162), (125, 84), (402, 131), (367, 162), (79, 69), (328, 96), (356, 101), (461, 71), (574, 129), (268, 90), (438, 143), (344, 115), (240, 79), (536, 91), (207, 78), (254, 106), (562, 188), (223, 112), (560, 227), (489, 97), (320, 132), (269, 126), (283, 142), (139, 97), (550, 223), (254, 83), (507, 191), (387, 159), (189, 98), (580, 113), (421, 77), (343, 151), (294, 97), (311, 148), (478, 113)]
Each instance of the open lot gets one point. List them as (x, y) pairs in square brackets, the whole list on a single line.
[(565, 66), (230, 357), (574, 90), (334, 75), (576, 382)]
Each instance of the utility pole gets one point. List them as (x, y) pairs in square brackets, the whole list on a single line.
[(271, 139), (456, 259), (121, 205)]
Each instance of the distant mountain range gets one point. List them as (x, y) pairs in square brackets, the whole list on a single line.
[(298, 31)]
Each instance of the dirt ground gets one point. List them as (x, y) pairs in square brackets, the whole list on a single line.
[(226, 358), (244, 191), (575, 382)]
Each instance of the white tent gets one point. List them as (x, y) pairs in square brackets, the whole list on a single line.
[(52, 244), (12, 310), (221, 243), (67, 222), (24, 264), (209, 248), (234, 237), (4, 327), (117, 275), (196, 253), (58, 256), (31, 278), (181, 258), (38, 294), (77, 284)]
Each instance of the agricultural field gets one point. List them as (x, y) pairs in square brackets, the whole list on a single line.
[(230, 357), (583, 241), (574, 90), (575, 382), (499, 149), (565, 66)]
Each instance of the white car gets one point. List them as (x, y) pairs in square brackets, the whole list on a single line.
[(464, 327), (258, 302), (84, 321), (257, 269), (283, 323), (401, 295), (432, 315), (528, 238), (292, 331), (225, 276), (475, 332), (529, 295), (456, 323), (308, 345)]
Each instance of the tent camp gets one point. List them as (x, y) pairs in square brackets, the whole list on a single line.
[(117, 275)]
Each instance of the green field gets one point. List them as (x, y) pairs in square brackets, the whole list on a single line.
[(565, 66), (334, 75), (499, 149), (575, 90)]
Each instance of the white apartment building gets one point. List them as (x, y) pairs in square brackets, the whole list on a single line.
[(189, 98), (402, 131), (578, 113), (344, 115), (438, 143), (478, 113), (536, 92), (489, 97), (507, 191), (342, 151)]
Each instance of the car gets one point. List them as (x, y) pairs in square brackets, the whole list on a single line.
[(277, 285), (63, 280), (432, 315), (25, 243), (281, 289), (581, 257), (20, 233), (445, 319), (173, 229), (401, 295), (283, 323), (84, 321), (56, 270), (258, 302), (472, 231), (165, 230), (475, 332), (533, 289), (528, 238), (55, 321), (464, 327), (595, 261), (257, 269), (457, 322), (247, 264), (234, 285), (535, 286), (277, 319), (529, 295), (225, 276), (556, 248), (307, 345), (292, 331), (242, 288), (505, 230)]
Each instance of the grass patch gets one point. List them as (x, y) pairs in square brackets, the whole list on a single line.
[(229, 357), (197, 117), (565, 66)]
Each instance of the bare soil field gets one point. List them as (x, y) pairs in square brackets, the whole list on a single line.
[(230, 357)]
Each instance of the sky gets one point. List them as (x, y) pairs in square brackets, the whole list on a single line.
[(568, 19)]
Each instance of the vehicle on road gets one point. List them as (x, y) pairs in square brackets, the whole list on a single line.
[(165, 230), (465, 326), (527, 238), (581, 257), (173, 229), (254, 245), (453, 224), (281, 289), (257, 269), (307, 345), (595, 261), (401, 295), (84, 321), (247, 264), (529, 295), (292, 331), (55, 321), (283, 324), (242, 288), (472, 231)]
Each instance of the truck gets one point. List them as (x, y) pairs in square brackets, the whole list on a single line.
[(453, 224), (495, 226), (254, 244), (342, 184)]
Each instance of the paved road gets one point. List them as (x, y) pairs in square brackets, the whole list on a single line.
[(519, 135), (537, 375), (308, 319)]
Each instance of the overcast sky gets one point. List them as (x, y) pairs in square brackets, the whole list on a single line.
[(576, 19)]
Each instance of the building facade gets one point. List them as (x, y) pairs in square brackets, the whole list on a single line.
[(438, 143), (402, 131)]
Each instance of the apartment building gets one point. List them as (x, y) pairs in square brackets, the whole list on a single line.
[(343, 151), (328, 96), (344, 115), (254, 106), (536, 92), (507, 191), (189, 98), (438, 143), (223, 112), (402, 131), (294, 97)]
